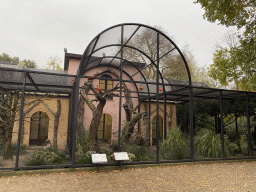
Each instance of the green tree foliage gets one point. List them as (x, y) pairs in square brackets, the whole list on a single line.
[(208, 144), (6, 58), (175, 146), (28, 63), (236, 63), (229, 12), (54, 63)]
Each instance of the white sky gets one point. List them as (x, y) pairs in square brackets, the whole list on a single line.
[(36, 29)]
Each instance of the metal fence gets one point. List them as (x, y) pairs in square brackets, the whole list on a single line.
[(136, 65)]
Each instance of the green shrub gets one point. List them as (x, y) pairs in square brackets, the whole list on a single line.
[(85, 158), (233, 136), (82, 143), (244, 145), (208, 144), (141, 152), (23, 148), (234, 148), (175, 146), (45, 158)]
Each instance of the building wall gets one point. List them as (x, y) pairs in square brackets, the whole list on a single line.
[(52, 103), (112, 106), (171, 118)]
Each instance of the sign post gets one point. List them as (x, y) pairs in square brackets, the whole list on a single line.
[(99, 158)]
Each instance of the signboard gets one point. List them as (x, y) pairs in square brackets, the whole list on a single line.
[(121, 156), (99, 158)]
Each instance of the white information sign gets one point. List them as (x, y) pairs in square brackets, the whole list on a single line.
[(99, 158), (121, 156)]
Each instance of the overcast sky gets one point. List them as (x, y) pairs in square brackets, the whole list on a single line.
[(36, 29)]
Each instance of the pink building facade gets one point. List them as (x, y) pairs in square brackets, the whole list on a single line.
[(111, 109)]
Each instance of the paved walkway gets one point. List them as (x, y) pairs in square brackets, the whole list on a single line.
[(231, 176)]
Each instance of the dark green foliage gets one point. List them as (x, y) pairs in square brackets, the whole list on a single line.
[(208, 144), (83, 155), (82, 143), (84, 158), (47, 158), (23, 149), (6, 58), (141, 152), (28, 63), (234, 63), (175, 146), (114, 145)]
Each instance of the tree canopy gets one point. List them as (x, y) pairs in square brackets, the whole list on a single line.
[(234, 63), (6, 58), (54, 63), (171, 63)]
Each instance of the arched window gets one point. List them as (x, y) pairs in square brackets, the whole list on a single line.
[(106, 84), (154, 129), (105, 128), (39, 128)]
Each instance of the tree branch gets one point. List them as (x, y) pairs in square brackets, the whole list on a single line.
[(88, 102), (4, 108)]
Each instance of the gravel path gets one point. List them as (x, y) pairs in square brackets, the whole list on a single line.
[(236, 176)]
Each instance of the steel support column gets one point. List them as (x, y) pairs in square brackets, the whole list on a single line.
[(248, 124), (191, 119), (157, 101), (121, 88), (222, 126), (74, 119), (20, 121)]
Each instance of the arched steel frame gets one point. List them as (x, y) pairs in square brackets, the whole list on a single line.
[(26, 81), (90, 50)]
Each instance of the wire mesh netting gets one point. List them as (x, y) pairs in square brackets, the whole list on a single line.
[(132, 94)]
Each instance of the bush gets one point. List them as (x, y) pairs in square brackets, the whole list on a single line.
[(175, 146), (244, 145), (208, 144), (234, 148), (82, 144), (85, 158), (23, 148), (47, 158), (141, 152)]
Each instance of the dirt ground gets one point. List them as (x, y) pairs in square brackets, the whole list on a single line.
[(230, 176)]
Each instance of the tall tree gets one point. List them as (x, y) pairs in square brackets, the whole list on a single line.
[(54, 63), (171, 63), (132, 116), (9, 105), (6, 58), (26, 62), (29, 63), (235, 63)]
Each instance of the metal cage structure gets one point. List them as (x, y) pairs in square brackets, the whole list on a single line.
[(139, 54)]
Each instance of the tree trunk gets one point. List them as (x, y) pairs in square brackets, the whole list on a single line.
[(8, 142), (94, 143), (128, 128), (56, 121), (56, 124), (80, 118), (13, 99)]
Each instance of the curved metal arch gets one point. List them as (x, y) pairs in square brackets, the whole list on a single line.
[(107, 65), (152, 62), (139, 25), (88, 53)]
